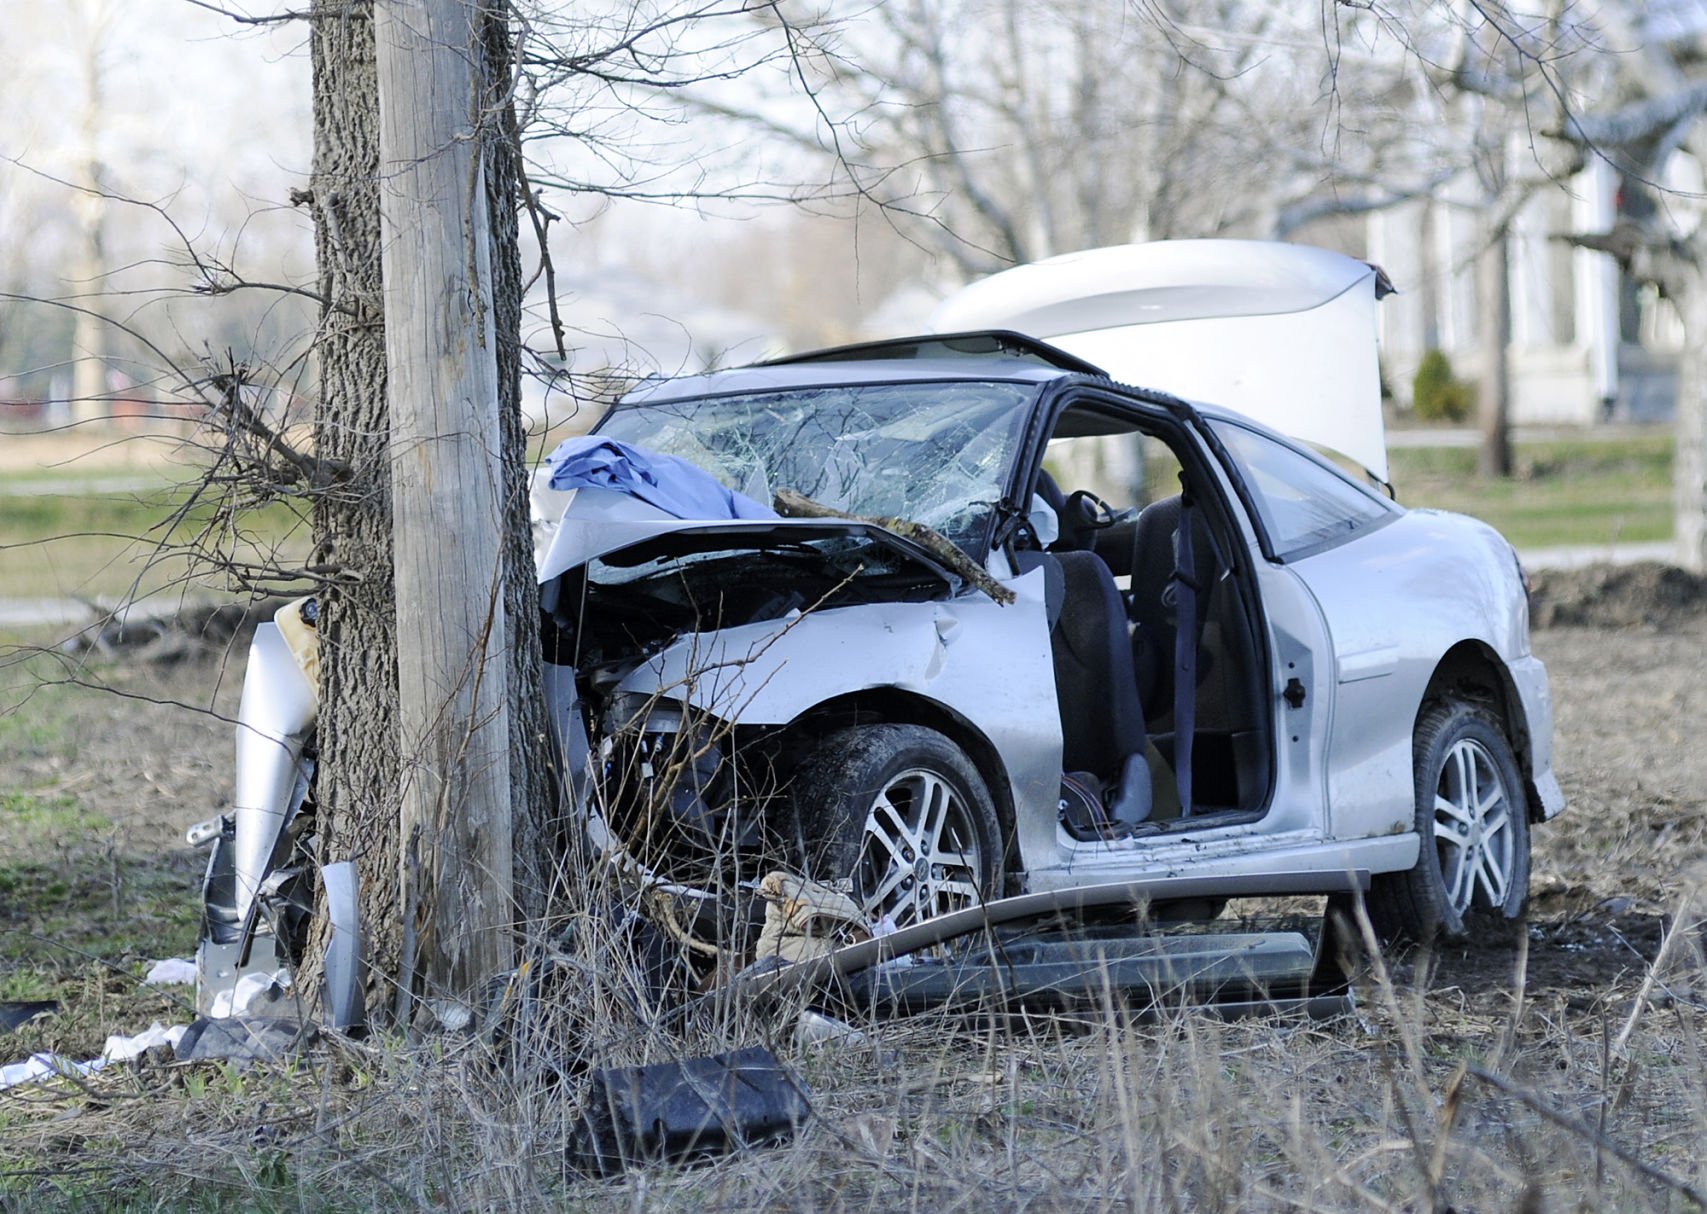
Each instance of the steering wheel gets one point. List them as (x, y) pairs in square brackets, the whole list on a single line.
[(1086, 511)]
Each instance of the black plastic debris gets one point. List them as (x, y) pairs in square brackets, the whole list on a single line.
[(244, 1040), (14, 1012), (694, 1108)]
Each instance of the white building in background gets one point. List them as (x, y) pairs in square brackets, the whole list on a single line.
[(1587, 343)]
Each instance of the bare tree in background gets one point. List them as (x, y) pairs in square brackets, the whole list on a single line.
[(94, 19), (996, 132), (1622, 82), (1650, 123)]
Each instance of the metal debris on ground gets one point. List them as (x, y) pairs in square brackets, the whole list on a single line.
[(1079, 948)]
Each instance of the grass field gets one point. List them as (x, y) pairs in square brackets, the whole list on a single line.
[(1497, 1077), (107, 538), (1610, 490)]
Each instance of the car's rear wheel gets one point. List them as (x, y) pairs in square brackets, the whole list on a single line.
[(1474, 823), (901, 813)]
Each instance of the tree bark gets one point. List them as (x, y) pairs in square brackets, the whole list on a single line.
[(1493, 286), (356, 784), (447, 498), (535, 836), (359, 778)]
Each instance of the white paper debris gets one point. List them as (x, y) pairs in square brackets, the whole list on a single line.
[(815, 1028), (124, 1049), (452, 1016), (174, 971), (886, 926), (42, 1066), (250, 991), (119, 1049)]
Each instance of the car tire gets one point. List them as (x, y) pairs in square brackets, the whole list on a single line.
[(901, 813), (1473, 819)]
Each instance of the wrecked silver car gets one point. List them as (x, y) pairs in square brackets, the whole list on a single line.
[(884, 617), (1261, 665)]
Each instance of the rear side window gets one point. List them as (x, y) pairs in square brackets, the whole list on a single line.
[(1305, 503)]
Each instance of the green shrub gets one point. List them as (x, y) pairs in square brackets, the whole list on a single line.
[(1436, 394)]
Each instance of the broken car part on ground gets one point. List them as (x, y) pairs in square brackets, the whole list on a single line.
[(1189, 652)]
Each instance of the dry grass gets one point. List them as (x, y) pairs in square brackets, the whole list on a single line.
[(1433, 1096), (1559, 1070)]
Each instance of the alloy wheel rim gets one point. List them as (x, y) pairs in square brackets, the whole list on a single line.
[(1473, 828), (920, 857)]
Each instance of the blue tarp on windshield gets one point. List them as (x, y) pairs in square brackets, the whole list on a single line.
[(675, 486)]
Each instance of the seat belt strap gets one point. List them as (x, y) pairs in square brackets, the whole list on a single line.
[(1185, 654)]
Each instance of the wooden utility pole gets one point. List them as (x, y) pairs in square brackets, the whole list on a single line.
[(447, 501)]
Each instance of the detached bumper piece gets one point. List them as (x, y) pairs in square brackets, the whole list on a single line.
[(1085, 968), (1087, 946), (686, 1110)]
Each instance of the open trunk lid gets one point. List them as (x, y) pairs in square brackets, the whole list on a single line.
[(1282, 333)]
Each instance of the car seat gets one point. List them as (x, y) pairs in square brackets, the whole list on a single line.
[(1102, 718), (1153, 567)]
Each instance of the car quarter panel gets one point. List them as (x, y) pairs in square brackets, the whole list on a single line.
[(1396, 601), (987, 663)]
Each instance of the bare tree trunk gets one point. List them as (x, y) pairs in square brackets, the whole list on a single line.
[(89, 402), (1493, 304), (530, 794), (447, 498), (356, 784), (1689, 470)]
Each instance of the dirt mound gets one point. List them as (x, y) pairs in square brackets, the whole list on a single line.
[(1644, 595)]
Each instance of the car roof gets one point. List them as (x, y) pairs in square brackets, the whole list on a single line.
[(770, 377), (1007, 358)]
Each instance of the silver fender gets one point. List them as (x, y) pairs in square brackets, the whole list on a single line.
[(345, 1007), (987, 663), (274, 720)]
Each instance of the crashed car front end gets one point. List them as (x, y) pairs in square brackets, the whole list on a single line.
[(689, 673), (694, 665)]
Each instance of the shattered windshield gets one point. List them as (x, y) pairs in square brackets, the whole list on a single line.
[(935, 453)]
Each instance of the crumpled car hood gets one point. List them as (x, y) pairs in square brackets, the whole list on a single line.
[(601, 523)]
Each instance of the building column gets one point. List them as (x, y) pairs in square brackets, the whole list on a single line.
[(1593, 210)]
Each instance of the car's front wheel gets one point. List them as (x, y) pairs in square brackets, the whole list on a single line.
[(1474, 824), (901, 812)]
